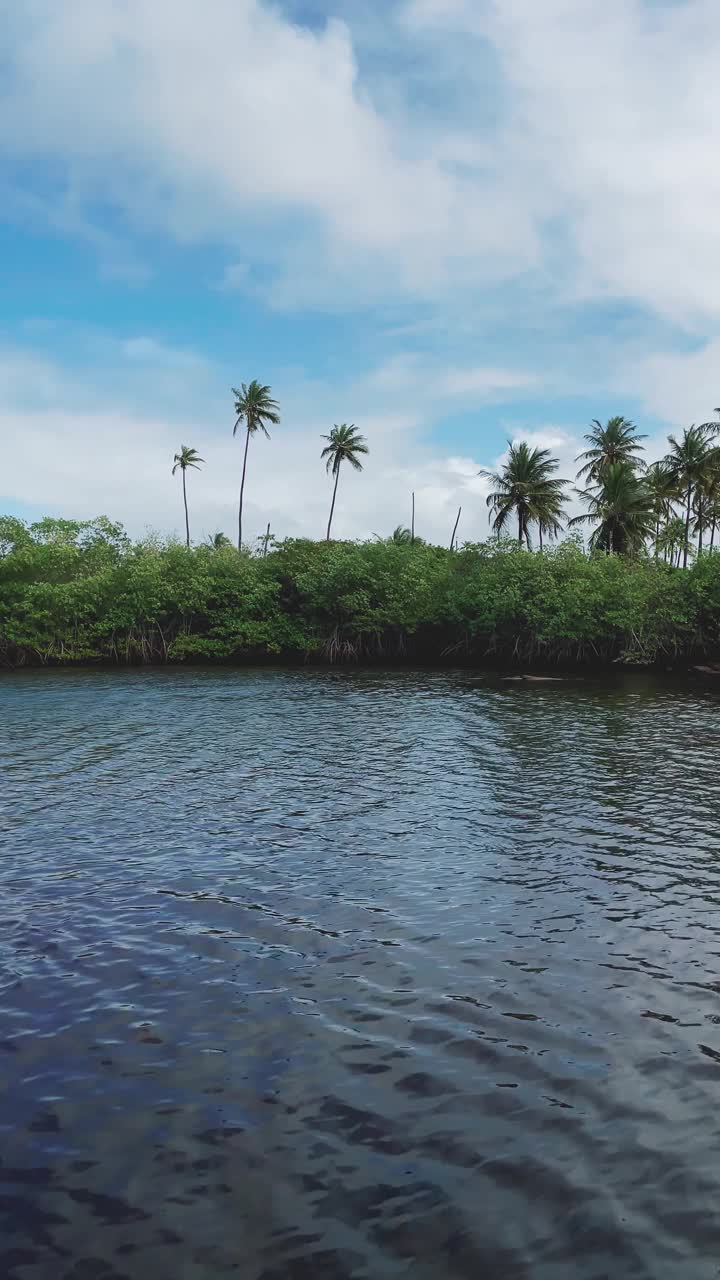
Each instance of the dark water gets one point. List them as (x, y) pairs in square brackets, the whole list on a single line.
[(316, 975)]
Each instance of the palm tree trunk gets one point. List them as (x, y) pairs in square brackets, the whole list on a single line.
[(332, 505), (657, 536), (187, 522), (242, 489), (540, 534), (700, 525), (520, 529), (687, 526), (412, 522), (712, 535)]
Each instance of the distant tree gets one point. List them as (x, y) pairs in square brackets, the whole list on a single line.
[(255, 407), (673, 540), (527, 489), (345, 444), (187, 457), (664, 491), (218, 541), (690, 461), (617, 441), (621, 508)]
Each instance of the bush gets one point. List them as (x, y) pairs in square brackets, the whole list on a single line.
[(75, 591)]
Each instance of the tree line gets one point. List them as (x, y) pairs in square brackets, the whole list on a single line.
[(629, 504), (83, 591)]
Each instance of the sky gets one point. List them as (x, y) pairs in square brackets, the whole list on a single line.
[(453, 223)]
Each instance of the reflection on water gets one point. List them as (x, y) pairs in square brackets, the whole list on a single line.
[(317, 975)]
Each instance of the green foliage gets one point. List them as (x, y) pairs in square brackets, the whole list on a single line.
[(80, 591), (528, 490)]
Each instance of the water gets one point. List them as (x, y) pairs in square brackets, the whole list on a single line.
[(321, 975)]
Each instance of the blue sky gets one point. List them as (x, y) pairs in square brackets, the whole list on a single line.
[(449, 221)]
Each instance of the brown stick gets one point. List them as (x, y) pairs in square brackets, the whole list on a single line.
[(452, 540)]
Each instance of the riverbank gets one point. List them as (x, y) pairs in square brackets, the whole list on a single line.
[(73, 593)]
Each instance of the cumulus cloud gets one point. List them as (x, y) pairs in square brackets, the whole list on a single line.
[(201, 121), (568, 140)]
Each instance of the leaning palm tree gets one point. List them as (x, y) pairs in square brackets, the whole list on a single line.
[(617, 441), (256, 408), (344, 445), (689, 460), (527, 489), (620, 506), (187, 457)]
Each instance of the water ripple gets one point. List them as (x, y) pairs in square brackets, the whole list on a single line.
[(310, 974)]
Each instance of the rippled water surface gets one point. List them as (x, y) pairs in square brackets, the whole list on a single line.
[(317, 975)]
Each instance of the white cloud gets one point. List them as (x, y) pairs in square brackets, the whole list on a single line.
[(406, 371), (195, 120), (565, 138)]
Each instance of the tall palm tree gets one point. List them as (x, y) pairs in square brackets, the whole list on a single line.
[(344, 445), (689, 460), (617, 441), (663, 489), (187, 457), (256, 408), (620, 506), (528, 489)]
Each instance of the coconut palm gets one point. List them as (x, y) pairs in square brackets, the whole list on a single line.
[(689, 460), (255, 407), (673, 540), (707, 493), (344, 445), (617, 441), (663, 489), (218, 541), (528, 489), (187, 457), (712, 516), (621, 508)]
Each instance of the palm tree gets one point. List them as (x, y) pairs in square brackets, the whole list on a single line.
[(689, 461), (620, 506), (712, 515), (187, 457), (527, 488), (617, 441), (218, 541), (707, 493), (663, 489), (673, 541), (344, 445), (255, 407)]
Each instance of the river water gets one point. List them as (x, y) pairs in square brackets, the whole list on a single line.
[(316, 975)]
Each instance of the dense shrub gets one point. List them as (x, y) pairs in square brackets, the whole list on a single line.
[(82, 591)]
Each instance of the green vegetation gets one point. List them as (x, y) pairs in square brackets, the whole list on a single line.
[(83, 592), (527, 489)]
